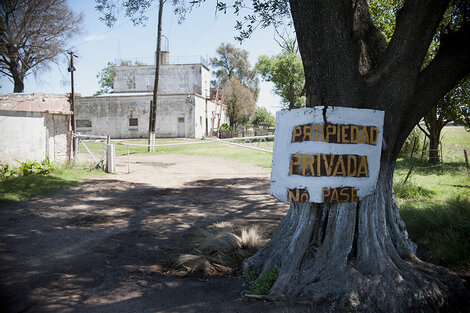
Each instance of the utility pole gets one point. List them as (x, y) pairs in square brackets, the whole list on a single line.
[(71, 69), (153, 104)]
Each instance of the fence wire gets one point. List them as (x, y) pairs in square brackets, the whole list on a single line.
[(258, 143)]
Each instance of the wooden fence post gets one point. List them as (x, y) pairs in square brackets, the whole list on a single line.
[(413, 147), (466, 161), (424, 148)]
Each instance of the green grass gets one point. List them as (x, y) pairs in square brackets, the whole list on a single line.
[(435, 203), (456, 135), (23, 188), (207, 148), (224, 151), (441, 229), (444, 182)]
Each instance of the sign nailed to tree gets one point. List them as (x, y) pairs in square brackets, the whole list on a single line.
[(330, 155)]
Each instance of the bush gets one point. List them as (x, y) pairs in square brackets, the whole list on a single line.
[(262, 284), (7, 171), (225, 126), (408, 144), (34, 168), (263, 118)]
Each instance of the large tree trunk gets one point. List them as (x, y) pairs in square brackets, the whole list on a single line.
[(18, 84), (357, 256)]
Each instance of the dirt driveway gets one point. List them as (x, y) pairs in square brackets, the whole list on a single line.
[(96, 247)]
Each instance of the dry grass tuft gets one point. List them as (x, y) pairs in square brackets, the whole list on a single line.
[(220, 249)]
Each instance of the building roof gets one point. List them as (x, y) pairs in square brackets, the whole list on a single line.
[(21, 102)]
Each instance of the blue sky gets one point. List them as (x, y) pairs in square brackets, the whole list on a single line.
[(199, 35)]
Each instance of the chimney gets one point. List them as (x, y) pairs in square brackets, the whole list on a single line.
[(164, 57)]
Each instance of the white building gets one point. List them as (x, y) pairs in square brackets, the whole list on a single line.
[(33, 127), (184, 104)]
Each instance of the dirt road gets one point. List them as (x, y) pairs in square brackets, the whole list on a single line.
[(96, 247)]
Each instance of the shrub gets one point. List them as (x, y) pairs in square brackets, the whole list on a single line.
[(262, 284), (7, 171), (408, 144), (225, 126), (34, 168)]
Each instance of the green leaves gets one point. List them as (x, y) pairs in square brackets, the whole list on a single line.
[(239, 101), (35, 168), (232, 62), (286, 71), (383, 13), (263, 118), (106, 76)]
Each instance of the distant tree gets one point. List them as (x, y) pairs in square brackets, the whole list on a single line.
[(262, 117), (286, 72), (453, 107), (233, 62), (239, 100), (106, 75), (32, 34)]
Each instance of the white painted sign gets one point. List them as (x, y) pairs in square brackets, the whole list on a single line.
[(331, 156)]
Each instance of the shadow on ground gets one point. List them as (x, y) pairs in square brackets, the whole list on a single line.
[(100, 247)]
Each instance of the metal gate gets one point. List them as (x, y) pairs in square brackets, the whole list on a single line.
[(94, 147), (259, 143)]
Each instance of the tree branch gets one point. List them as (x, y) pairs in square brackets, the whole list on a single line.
[(424, 131), (416, 25), (448, 68), (6, 73)]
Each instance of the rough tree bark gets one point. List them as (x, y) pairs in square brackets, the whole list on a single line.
[(358, 256), (18, 84)]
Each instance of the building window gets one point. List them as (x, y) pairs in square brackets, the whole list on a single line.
[(133, 122), (83, 123)]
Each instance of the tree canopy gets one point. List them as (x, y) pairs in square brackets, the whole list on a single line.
[(232, 62), (239, 101), (263, 117), (32, 34), (286, 72), (453, 106)]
